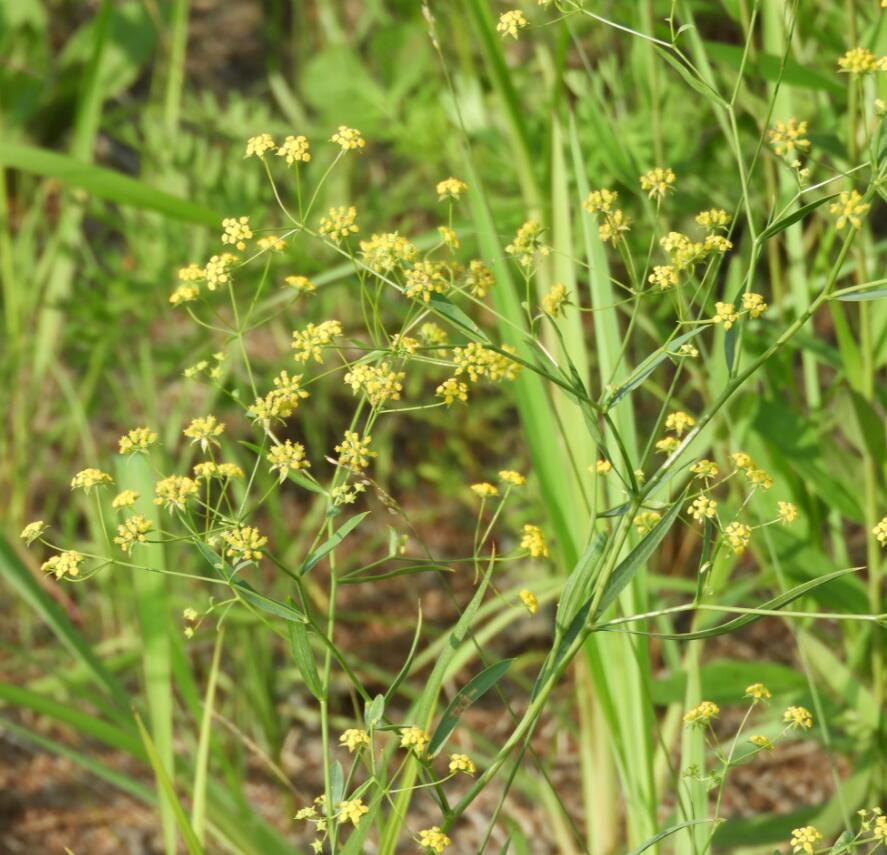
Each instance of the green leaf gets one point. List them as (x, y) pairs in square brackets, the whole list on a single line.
[(792, 218), (329, 545), (862, 296), (304, 656), (479, 685), (169, 793), (374, 711), (337, 782), (667, 833), (408, 662), (104, 183), (578, 587), (639, 556), (691, 80), (442, 306)]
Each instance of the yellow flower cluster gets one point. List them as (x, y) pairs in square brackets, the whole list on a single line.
[(880, 532), (287, 456), (758, 692), (485, 490), (352, 811), (645, 520), (658, 182), (511, 22), (479, 279), (702, 714), (307, 343), (353, 739), (477, 361), (86, 479), (452, 390), (124, 499), (378, 382), (414, 739), (788, 513), (174, 492), (282, 401), (738, 536), (137, 440), (66, 563), (354, 451), (348, 139), (434, 839), (132, 531), (553, 302), (244, 543), (860, 60), (424, 279), (217, 270), (756, 476), (679, 422), (382, 253), (236, 232), (462, 763), (798, 717), (528, 598), (789, 139), (32, 531), (512, 478), (706, 469), (258, 145), (849, 209), (301, 284), (703, 508), (223, 471), (450, 188), (804, 839), (295, 149), (528, 243), (533, 541), (713, 219), (205, 430), (339, 222)]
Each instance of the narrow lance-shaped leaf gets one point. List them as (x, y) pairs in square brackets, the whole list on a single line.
[(304, 656), (329, 545)]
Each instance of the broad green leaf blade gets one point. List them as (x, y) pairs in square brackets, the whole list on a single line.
[(304, 656), (639, 556), (790, 219), (476, 687), (329, 545), (103, 183)]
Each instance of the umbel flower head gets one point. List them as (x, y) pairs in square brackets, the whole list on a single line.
[(414, 739), (450, 188), (354, 451), (287, 456), (86, 479), (658, 182), (132, 531), (353, 739), (348, 139), (295, 150), (64, 564), (534, 541), (244, 543), (702, 714), (352, 811), (174, 492), (137, 441), (528, 598), (32, 531), (258, 145), (434, 839), (462, 763), (511, 22), (205, 430), (804, 840)]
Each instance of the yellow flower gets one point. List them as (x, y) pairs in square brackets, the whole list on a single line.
[(348, 139), (658, 182), (432, 335), (789, 139), (743, 461), (613, 226), (880, 532), (286, 456), (702, 714), (758, 691), (415, 739), (713, 218), (798, 717), (452, 390), (703, 508), (788, 513), (478, 361), (485, 490), (725, 314), (449, 237), (295, 150), (354, 451), (353, 739), (86, 479), (858, 60), (244, 543), (138, 439), (339, 223), (738, 536), (308, 342), (511, 22), (509, 476), (534, 541), (688, 350), (258, 145), (760, 741), (553, 302), (705, 469), (850, 209), (759, 477), (32, 531), (434, 839), (663, 277), (804, 839), (173, 492), (192, 273), (528, 598), (424, 279), (132, 531), (679, 422), (450, 188), (715, 243), (271, 243), (64, 564), (237, 232), (667, 445), (462, 763), (600, 201), (479, 278), (602, 466), (205, 430), (352, 811), (645, 520), (281, 401), (378, 382), (302, 284), (753, 304), (527, 243), (184, 294), (382, 253), (346, 494), (217, 270)]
